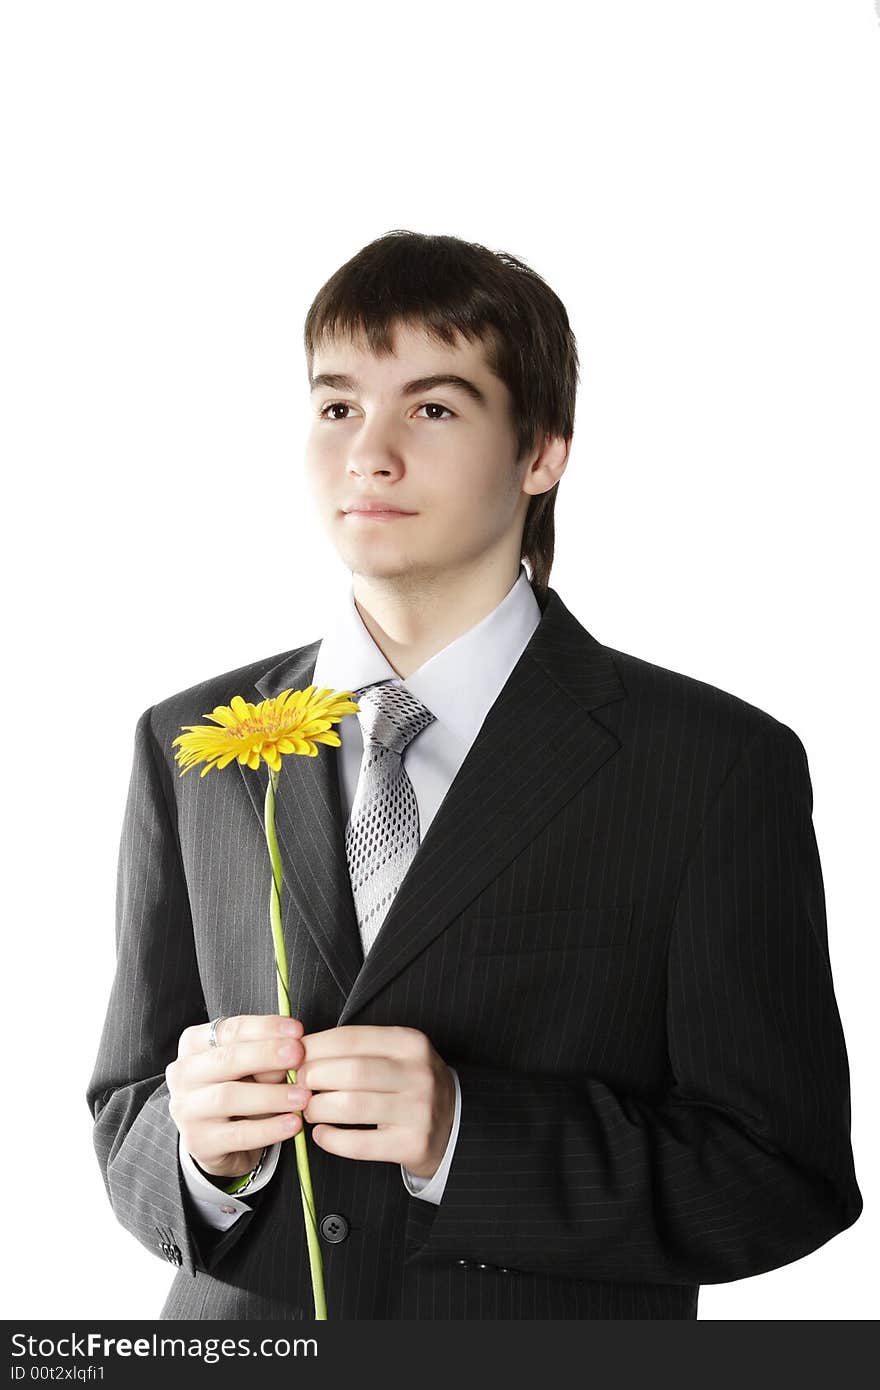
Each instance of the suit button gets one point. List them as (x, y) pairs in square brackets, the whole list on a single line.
[(175, 1256), (334, 1228), (485, 1266), (502, 1269)]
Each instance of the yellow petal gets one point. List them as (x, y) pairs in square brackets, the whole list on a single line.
[(223, 716)]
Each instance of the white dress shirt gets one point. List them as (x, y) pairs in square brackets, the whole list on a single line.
[(459, 685)]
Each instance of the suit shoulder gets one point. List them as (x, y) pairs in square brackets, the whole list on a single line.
[(695, 707)]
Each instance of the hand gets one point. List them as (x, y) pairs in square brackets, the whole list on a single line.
[(383, 1075), (231, 1101)]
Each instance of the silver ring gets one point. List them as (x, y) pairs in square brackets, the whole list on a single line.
[(212, 1034)]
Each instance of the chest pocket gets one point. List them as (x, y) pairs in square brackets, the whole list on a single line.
[(554, 930)]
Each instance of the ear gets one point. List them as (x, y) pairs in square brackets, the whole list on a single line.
[(548, 465)]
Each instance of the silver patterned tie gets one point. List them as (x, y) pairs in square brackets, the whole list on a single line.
[(382, 834)]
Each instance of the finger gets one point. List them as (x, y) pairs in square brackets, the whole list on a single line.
[(370, 1145), (239, 1060), (358, 1108), (237, 1028), (231, 1100), (358, 1039), (355, 1074), (231, 1136), (248, 1028)]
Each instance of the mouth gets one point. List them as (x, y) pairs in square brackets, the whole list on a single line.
[(376, 514)]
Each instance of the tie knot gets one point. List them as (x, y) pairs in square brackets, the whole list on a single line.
[(391, 716)]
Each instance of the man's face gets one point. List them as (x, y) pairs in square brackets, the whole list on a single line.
[(436, 451)]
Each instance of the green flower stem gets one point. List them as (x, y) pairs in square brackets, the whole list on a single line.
[(302, 1157)]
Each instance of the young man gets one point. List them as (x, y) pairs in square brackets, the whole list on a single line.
[(566, 1036)]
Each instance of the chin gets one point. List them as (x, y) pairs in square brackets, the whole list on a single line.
[(371, 565)]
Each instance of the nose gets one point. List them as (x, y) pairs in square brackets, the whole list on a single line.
[(367, 461), (378, 470), (373, 448)]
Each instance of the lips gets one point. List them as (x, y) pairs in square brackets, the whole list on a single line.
[(367, 509)]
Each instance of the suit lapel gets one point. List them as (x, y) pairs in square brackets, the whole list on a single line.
[(310, 828), (538, 745)]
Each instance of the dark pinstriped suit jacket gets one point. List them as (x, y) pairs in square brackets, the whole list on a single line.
[(614, 929)]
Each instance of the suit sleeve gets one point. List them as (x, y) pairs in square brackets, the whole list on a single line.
[(744, 1163), (156, 993)]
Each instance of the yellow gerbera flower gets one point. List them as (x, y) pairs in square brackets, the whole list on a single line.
[(293, 722)]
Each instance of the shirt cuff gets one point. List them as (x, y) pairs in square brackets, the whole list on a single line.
[(221, 1209), (431, 1189)]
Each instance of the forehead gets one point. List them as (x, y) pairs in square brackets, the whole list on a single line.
[(414, 351)]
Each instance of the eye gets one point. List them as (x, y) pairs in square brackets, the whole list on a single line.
[(344, 405)]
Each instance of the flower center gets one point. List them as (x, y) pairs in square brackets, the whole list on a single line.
[(266, 727)]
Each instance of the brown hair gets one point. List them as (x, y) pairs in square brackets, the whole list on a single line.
[(449, 287)]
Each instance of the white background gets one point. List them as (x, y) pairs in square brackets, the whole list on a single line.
[(698, 182)]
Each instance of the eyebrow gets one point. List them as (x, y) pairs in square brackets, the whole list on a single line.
[(338, 381)]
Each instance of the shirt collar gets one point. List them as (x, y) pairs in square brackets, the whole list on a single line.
[(458, 684)]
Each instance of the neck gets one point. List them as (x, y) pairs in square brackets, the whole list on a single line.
[(412, 617)]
